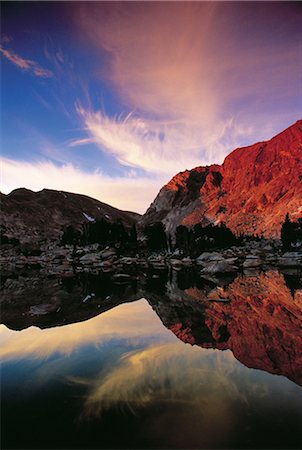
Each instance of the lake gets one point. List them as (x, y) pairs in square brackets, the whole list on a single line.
[(164, 360)]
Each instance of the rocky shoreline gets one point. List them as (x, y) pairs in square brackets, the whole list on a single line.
[(65, 261)]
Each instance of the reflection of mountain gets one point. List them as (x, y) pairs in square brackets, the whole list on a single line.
[(260, 322), (45, 302), (257, 317)]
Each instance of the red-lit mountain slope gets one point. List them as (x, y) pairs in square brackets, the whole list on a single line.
[(251, 191)]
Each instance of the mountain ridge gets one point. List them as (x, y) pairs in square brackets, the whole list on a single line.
[(29, 215)]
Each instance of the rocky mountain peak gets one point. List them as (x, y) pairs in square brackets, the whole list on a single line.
[(251, 191)]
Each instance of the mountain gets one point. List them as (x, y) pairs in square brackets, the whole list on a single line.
[(251, 192), (29, 215)]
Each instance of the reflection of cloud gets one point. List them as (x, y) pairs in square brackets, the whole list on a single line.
[(127, 193), (26, 64), (170, 372), (176, 386), (135, 320), (178, 381)]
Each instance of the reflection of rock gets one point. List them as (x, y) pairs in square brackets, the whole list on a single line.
[(261, 323), (290, 259)]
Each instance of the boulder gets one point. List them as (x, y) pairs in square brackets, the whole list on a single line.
[(106, 254), (209, 256), (219, 267), (252, 261)]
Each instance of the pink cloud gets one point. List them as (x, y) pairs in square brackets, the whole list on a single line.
[(198, 63), (26, 64)]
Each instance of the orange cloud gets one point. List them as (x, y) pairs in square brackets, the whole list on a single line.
[(26, 64)]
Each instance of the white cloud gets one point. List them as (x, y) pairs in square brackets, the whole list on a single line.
[(127, 193), (163, 147)]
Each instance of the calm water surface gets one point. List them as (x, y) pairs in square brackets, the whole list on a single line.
[(123, 379)]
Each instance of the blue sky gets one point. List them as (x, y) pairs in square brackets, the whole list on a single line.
[(112, 99)]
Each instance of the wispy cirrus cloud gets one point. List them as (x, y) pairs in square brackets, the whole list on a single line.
[(158, 146), (26, 64)]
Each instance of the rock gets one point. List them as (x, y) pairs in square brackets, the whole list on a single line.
[(106, 254), (158, 266), (218, 294), (128, 260), (121, 277), (209, 256), (251, 271), (290, 259), (89, 258), (43, 309), (187, 261), (105, 264), (268, 248), (252, 261), (175, 262), (219, 267)]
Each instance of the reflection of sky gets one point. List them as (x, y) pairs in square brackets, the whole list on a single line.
[(134, 324), (127, 360)]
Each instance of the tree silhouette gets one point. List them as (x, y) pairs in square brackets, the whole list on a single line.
[(195, 241), (156, 237), (291, 233)]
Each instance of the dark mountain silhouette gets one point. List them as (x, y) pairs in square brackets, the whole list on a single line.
[(28, 215)]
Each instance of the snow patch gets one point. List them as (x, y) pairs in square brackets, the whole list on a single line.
[(91, 219)]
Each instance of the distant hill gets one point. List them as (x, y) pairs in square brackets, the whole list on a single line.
[(251, 192), (29, 215)]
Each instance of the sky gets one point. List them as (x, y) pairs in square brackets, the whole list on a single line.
[(111, 99)]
